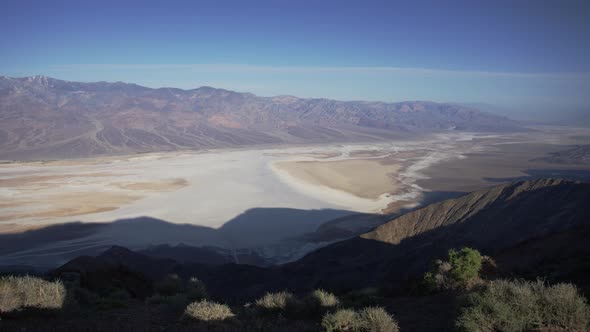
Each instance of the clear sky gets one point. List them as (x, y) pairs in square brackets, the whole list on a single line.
[(529, 57)]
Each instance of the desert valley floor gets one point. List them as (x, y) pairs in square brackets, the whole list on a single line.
[(286, 191)]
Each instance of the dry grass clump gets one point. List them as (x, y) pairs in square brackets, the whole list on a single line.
[(316, 303), (323, 299), (341, 320), (514, 306), (30, 292), (376, 319), (373, 319), (206, 311), (275, 302)]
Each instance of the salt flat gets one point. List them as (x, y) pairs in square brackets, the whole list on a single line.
[(212, 187), (244, 198), (205, 188)]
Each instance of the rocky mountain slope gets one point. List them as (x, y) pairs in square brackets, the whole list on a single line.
[(490, 220), (42, 117), (511, 222)]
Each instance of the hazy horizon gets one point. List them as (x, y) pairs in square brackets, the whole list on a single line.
[(528, 59)]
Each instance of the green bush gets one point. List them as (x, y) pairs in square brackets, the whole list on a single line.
[(206, 311), (465, 265), (30, 292), (514, 306), (459, 272), (341, 320), (376, 319)]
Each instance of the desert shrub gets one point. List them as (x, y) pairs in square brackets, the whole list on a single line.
[(370, 319), (465, 265), (341, 320), (169, 285), (208, 311), (278, 302), (440, 278), (376, 319), (564, 307), (514, 306), (323, 298), (459, 272), (30, 292), (195, 289), (318, 301)]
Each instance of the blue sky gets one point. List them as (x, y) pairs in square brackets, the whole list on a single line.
[(530, 57)]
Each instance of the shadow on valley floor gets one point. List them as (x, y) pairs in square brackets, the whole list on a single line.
[(540, 231), (52, 245), (287, 228)]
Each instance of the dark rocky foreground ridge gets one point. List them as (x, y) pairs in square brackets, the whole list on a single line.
[(528, 229), (42, 117), (538, 227)]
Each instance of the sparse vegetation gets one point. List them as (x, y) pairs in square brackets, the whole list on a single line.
[(376, 319), (277, 302), (341, 320), (319, 301), (514, 306), (18, 293), (323, 298), (207, 311), (459, 272), (371, 319), (465, 265)]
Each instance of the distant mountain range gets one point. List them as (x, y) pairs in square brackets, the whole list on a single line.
[(42, 117)]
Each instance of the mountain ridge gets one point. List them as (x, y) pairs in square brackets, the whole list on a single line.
[(42, 117)]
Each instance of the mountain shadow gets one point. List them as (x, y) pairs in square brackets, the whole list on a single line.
[(262, 226), (53, 245), (494, 220)]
